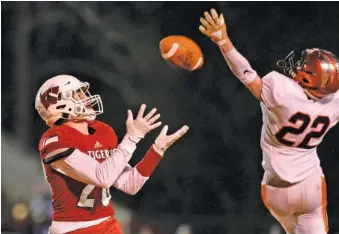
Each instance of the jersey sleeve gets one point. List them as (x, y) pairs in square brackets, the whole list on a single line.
[(58, 143), (337, 104), (273, 90), (130, 181), (83, 168)]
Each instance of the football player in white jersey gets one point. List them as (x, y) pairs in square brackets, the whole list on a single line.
[(299, 107)]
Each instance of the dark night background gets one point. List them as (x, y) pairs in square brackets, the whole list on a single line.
[(209, 180)]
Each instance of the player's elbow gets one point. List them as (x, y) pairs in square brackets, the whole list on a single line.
[(132, 190), (104, 185), (102, 181), (256, 87)]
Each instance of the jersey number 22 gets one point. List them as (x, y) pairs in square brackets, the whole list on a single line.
[(306, 121)]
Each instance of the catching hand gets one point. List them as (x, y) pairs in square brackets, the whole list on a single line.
[(164, 141), (139, 127)]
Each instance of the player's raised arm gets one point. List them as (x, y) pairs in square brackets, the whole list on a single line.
[(78, 165), (214, 27), (131, 179)]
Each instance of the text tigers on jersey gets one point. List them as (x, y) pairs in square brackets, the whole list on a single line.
[(100, 154)]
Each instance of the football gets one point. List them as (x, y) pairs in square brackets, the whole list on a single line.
[(181, 51)]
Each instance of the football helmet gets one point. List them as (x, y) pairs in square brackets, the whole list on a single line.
[(317, 71), (64, 97)]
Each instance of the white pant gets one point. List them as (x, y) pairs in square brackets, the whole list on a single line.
[(300, 208)]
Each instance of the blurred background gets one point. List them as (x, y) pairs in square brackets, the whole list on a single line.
[(209, 182)]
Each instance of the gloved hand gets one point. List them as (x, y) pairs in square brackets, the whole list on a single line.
[(214, 27), (164, 141), (139, 127)]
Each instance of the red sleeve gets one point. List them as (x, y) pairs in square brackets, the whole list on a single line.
[(149, 162), (55, 139)]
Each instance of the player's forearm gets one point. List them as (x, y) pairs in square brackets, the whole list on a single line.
[(213, 25), (83, 168), (238, 64), (109, 170), (132, 180), (226, 47)]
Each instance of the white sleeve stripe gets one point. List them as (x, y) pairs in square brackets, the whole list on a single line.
[(61, 171), (55, 152), (51, 140)]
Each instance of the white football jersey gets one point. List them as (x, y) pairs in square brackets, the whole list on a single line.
[(293, 127)]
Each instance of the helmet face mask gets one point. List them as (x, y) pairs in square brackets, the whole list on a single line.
[(288, 65), (84, 103), (64, 97), (316, 71)]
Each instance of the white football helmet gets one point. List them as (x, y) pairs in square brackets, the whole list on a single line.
[(65, 97)]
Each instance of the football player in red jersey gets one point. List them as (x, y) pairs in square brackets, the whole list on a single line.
[(82, 159), (299, 107)]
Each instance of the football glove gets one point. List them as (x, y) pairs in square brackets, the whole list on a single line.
[(164, 141), (139, 127), (214, 27)]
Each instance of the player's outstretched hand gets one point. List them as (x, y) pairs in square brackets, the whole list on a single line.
[(213, 26), (164, 141), (139, 127)]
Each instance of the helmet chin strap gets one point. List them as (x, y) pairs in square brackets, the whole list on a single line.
[(311, 96), (82, 118), (87, 115)]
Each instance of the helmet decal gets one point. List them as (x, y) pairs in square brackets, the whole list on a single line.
[(316, 71), (49, 97), (66, 97)]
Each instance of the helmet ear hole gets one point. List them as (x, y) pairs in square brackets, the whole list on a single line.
[(305, 80), (61, 106)]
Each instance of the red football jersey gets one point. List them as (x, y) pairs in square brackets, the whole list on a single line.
[(73, 200)]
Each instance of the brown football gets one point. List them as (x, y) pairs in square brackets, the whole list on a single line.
[(182, 52)]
